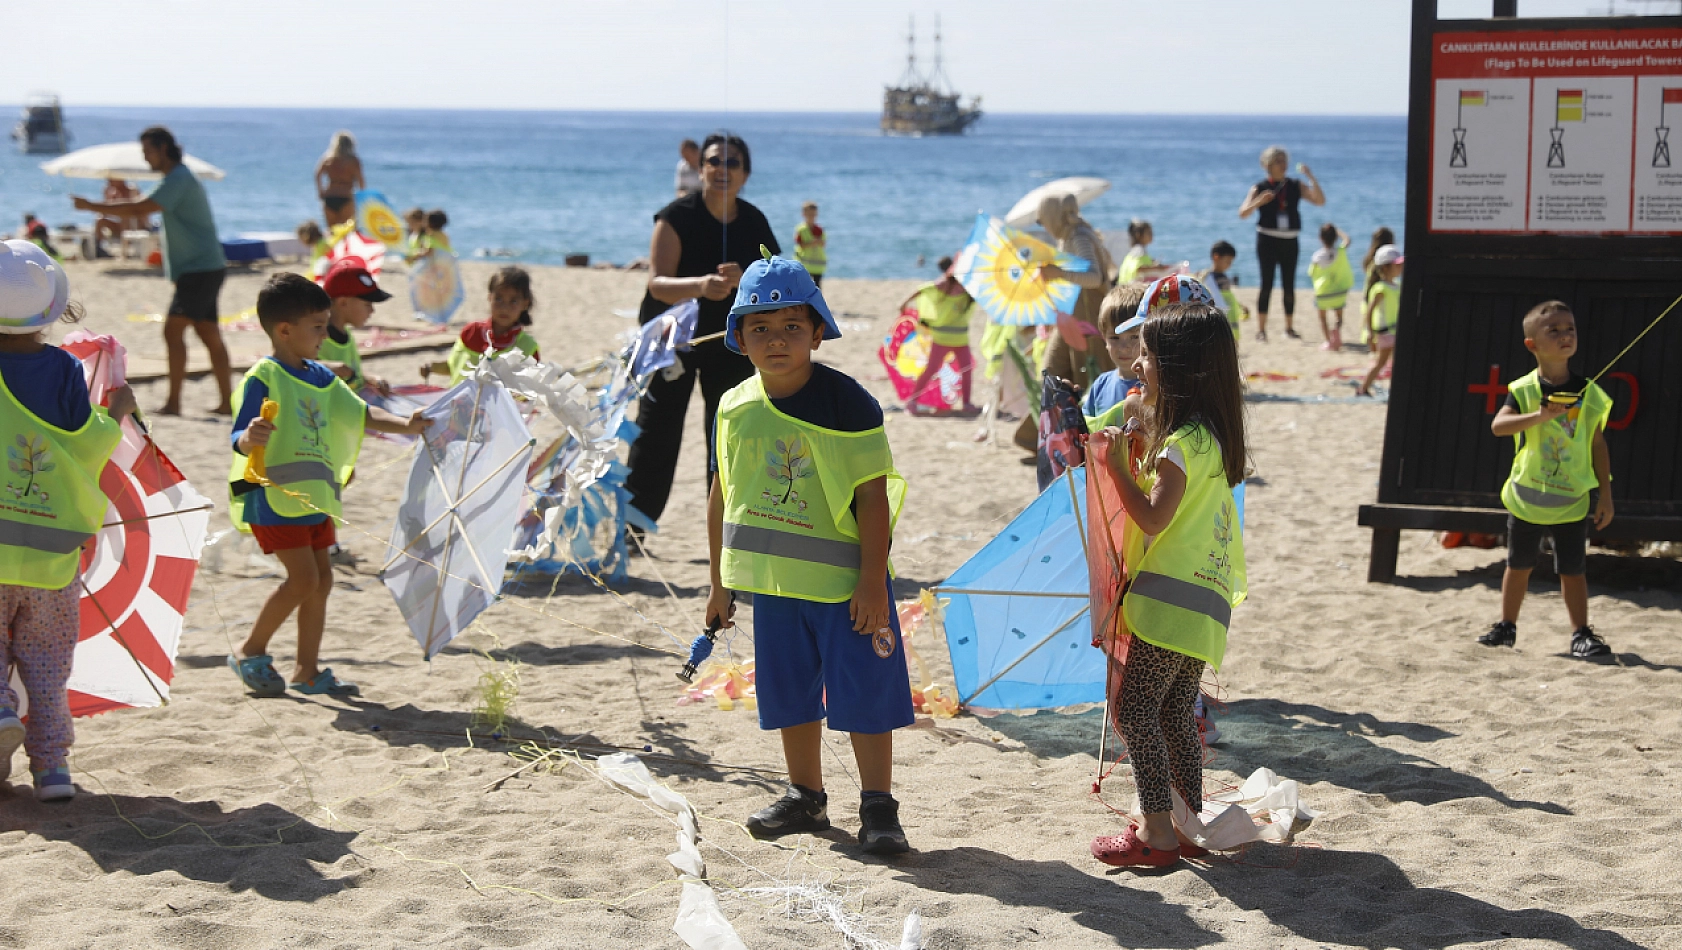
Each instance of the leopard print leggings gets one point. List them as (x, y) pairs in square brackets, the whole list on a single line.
[(1153, 713)]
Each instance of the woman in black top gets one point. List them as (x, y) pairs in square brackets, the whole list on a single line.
[(701, 243), (1277, 199)]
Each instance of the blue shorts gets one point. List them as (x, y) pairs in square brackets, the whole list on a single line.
[(806, 653)]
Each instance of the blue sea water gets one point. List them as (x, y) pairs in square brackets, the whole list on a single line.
[(540, 185)]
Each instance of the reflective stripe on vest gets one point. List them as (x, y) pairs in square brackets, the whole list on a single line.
[(752, 539), (1185, 595), (50, 499), (945, 317), (291, 473), (788, 488), (1553, 466)]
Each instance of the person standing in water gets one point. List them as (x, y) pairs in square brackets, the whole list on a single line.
[(338, 177), (1276, 200)]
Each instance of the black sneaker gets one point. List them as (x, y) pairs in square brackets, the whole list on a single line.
[(879, 830), (1586, 644), (797, 812), (1503, 634)]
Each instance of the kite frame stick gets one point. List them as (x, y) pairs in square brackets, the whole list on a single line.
[(116, 635), (444, 559), (1008, 593), (1080, 528), (404, 552), (1027, 653), (161, 514)]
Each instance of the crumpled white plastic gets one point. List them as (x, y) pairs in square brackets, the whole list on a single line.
[(700, 921), (573, 406), (1265, 808)]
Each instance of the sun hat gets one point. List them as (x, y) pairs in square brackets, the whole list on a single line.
[(773, 284), (1386, 255), (34, 289), (1175, 288), (349, 277)]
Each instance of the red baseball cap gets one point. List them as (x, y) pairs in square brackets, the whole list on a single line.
[(349, 277)]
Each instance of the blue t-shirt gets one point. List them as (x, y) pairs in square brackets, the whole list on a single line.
[(1106, 391), (830, 400), (50, 384), (189, 233), (257, 510)]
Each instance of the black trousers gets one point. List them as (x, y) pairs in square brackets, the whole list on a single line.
[(660, 413), (1272, 251)]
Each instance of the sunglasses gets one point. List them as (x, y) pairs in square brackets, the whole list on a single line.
[(734, 164)]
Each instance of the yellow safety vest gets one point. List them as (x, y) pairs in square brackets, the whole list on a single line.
[(788, 491), (811, 250), (1553, 463), (51, 502), (463, 360), (944, 316), (1389, 302), (1137, 257), (312, 450), (1332, 282), (1191, 576), (345, 353)]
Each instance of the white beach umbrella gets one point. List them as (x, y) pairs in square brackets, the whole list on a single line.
[(1026, 212), (120, 160)]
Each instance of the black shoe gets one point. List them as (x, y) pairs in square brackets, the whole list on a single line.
[(797, 812), (1503, 634), (879, 830), (1586, 644)]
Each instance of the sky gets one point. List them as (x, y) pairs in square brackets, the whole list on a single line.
[(1270, 57)]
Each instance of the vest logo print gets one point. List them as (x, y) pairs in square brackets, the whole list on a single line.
[(311, 418), (787, 464), (1556, 454), (1218, 569), (28, 459)]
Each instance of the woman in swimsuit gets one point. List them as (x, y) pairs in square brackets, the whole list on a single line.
[(338, 177)]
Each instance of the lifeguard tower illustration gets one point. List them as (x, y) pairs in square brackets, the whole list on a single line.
[(1468, 97), (1568, 107), (1661, 132)]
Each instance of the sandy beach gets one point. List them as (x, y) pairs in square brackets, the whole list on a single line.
[(1470, 797)]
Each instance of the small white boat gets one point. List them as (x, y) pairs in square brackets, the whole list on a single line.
[(41, 131)]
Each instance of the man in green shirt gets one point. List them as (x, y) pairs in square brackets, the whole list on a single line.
[(193, 261)]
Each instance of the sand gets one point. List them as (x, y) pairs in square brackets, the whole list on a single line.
[(1470, 797)]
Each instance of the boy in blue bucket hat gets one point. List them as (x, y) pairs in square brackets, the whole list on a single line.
[(804, 499)]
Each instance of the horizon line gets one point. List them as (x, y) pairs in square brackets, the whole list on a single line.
[(755, 112)]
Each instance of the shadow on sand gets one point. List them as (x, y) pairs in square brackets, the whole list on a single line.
[(264, 849)]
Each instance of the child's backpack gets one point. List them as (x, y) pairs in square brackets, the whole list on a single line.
[(1062, 443)]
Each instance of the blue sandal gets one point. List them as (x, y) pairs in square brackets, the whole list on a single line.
[(325, 683), (258, 674)]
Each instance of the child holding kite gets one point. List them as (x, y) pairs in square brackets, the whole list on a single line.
[(511, 302), (57, 445), (1185, 583), (801, 513), (297, 432), (1561, 482)]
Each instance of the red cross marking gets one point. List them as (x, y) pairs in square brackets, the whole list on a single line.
[(1490, 391)]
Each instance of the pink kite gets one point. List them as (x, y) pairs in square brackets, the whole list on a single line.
[(905, 353)]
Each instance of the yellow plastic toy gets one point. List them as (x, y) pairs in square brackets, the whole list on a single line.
[(256, 470)]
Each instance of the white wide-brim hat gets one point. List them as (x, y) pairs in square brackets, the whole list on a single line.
[(34, 288)]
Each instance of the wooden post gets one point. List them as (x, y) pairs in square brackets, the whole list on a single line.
[(1381, 564)]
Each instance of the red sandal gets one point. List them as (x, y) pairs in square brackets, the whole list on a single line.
[(1127, 851)]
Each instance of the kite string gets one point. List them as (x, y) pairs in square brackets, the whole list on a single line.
[(1638, 336)]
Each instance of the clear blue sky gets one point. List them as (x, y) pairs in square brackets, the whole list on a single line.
[(1207, 56)]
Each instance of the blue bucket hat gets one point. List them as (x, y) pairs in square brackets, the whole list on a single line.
[(772, 284)]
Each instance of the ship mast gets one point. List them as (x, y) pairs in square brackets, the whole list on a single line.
[(937, 76), (911, 79)]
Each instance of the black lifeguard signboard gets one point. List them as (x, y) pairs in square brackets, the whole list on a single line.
[(1540, 166)]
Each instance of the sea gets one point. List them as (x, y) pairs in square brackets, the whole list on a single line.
[(538, 186)]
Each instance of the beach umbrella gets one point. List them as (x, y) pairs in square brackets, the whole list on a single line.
[(999, 266), (1025, 213), (121, 160), (137, 575), (465, 496)]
